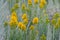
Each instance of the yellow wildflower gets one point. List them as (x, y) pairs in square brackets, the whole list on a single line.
[(12, 9), (20, 25), (36, 1), (16, 5), (35, 20), (30, 2), (53, 21), (24, 16), (43, 37), (23, 27), (31, 27), (13, 19), (14, 14), (42, 3), (56, 26), (25, 21), (23, 6), (56, 15), (13, 23)]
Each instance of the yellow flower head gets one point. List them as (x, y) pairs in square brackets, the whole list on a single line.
[(47, 20), (16, 5), (53, 21), (36, 1), (20, 25), (23, 6), (13, 13), (24, 16), (43, 37), (13, 23), (25, 21), (23, 27), (31, 27), (13, 19), (42, 3), (35, 20), (14, 16), (56, 15), (12, 9), (56, 26), (30, 2)]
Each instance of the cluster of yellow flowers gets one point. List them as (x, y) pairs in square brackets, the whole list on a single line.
[(56, 20), (22, 26), (25, 22), (34, 21), (25, 18), (13, 19), (42, 3)]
